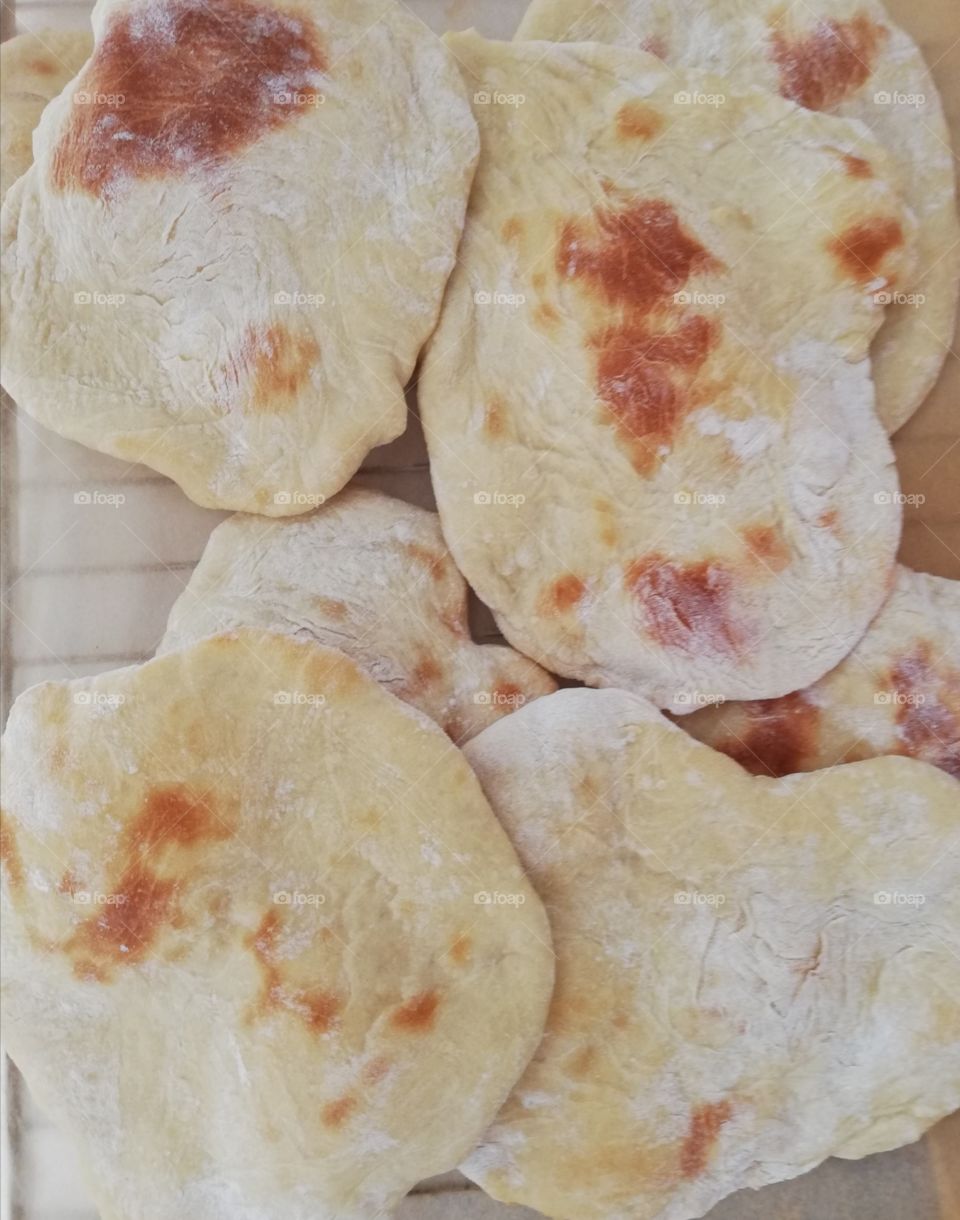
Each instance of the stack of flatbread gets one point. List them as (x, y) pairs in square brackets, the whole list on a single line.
[(328, 896)]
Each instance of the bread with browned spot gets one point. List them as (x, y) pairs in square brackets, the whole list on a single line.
[(251, 963), (371, 576), (898, 692), (752, 974), (235, 240), (33, 69), (648, 402), (843, 57)]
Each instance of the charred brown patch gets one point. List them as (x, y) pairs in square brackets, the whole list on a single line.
[(330, 607), (686, 606), (10, 854), (418, 1014), (779, 736), (42, 67), (862, 249), (494, 417), (829, 63), (431, 561), (928, 708), (656, 45), (507, 694), (828, 519), (857, 167), (706, 1122), (274, 364), (336, 1113), (146, 875), (767, 545), (638, 121), (636, 256), (644, 379), (512, 229), (374, 1071), (317, 1009), (461, 948), (546, 316), (424, 674), (70, 884), (184, 86), (564, 594)]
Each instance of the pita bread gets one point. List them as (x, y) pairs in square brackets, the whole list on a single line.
[(33, 69), (371, 576), (752, 974), (245, 960), (898, 692), (844, 57), (647, 404), (235, 292)]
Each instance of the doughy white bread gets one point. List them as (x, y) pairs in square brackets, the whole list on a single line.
[(228, 255), (647, 403), (33, 69), (898, 692), (371, 576), (244, 960), (752, 974), (845, 57)]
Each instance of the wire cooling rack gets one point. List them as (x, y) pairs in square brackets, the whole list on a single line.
[(96, 551)]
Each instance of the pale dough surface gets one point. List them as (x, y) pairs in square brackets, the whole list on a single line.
[(248, 963), (234, 241), (369, 575), (752, 974), (844, 57), (898, 692), (648, 404)]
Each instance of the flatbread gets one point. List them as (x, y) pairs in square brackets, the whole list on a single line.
[(844, 57), (235, 239), (752, 974), (898, 692), (252, 958), (648, 407), (371, 576), (33, 69)]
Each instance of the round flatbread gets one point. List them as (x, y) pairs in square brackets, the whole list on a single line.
[(752, 974), (898, 692), (844, 57), (648, 405), (251, 959), (33, 69), (371, 576), (235, 239)]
